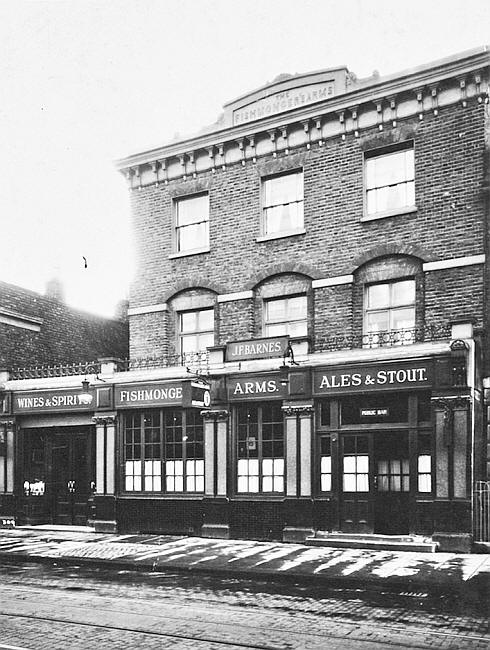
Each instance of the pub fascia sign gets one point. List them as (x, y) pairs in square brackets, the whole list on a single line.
[(255, 387), (266, 348), (65, 400), (177, 393), (367, 378), (284, 101)]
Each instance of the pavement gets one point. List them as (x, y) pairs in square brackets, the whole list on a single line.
[(410, 571)]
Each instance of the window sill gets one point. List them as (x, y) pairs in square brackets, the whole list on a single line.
[(281, 235), (389, 213), (194, 251)]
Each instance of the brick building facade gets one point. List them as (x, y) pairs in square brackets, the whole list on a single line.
[(307, 320), (41, 337)]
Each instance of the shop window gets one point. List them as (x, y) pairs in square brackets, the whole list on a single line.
[(260, 449), (286, 316), (355, 464), (192, 223), (282, 203), (164, 451), (389, 313), (196, 330), (325, 464), (424, 463), (389, 181)]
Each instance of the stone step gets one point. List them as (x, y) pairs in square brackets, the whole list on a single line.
[(374, 542)]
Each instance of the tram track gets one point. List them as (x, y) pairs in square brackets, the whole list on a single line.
[(211, 639), (333, 626)]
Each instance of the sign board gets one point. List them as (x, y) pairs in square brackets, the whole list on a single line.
[(196, 395), (266, 348), (258, 387), (187, 394), (380, 377), (38, 401), (284, 101), (374, 412)]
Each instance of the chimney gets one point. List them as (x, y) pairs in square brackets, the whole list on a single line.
[(54, 290), (121, 311)]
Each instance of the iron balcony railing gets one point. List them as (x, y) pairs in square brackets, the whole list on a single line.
[(198, 361), (56, 370), (389, 338)]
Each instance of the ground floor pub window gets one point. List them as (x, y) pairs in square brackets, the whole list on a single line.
[(163, 451), (325, 464), (355, 463), (260, 448)]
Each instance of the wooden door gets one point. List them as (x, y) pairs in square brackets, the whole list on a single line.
[(73, 472), (356, 502), (392, 483)]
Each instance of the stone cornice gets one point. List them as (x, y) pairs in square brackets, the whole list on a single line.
[(425, 79)]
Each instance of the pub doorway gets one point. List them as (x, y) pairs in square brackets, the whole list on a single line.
[(59, 474), (375, 482)]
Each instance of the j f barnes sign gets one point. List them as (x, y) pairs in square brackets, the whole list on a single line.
[(366, 378)]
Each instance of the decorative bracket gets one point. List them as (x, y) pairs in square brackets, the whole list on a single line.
[(392, 102), (419, 94), (284, 134), (183, 165), (355, 124), (379, 111), (251, 140), (306, 128), (433, 94), (272, 135), (318, 126)]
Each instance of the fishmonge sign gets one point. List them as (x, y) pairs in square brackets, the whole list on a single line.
[(369, 378), (257, 348), (176, 393)]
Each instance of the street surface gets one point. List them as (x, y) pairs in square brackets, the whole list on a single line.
[(49, 607)]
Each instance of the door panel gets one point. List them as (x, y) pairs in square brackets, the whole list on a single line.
[(392, 483), (73, 470), (356, 503)]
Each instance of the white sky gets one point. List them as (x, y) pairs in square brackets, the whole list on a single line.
[(82, 83)]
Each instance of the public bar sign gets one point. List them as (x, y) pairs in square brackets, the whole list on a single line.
[(256, 387), (72, 399), (381, 377), (257, 348), (175, 393)]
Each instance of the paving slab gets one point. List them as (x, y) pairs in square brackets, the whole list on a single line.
[(402, 569)]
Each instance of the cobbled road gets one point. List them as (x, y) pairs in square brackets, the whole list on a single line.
[(45, 607)]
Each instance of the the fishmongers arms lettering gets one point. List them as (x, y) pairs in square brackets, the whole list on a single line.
[(150, 394)]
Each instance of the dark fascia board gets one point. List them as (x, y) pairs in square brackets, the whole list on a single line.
[(431, 73)]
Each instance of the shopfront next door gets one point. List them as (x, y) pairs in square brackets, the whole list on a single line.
[(72, 475), (374, 483)]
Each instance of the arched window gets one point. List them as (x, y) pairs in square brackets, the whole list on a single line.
[(388, 300)]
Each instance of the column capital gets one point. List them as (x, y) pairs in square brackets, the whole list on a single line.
[(215, 414), (104, 419), (291, 409)]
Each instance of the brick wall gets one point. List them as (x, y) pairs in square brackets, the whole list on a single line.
[(448, 223), (66, 335)]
